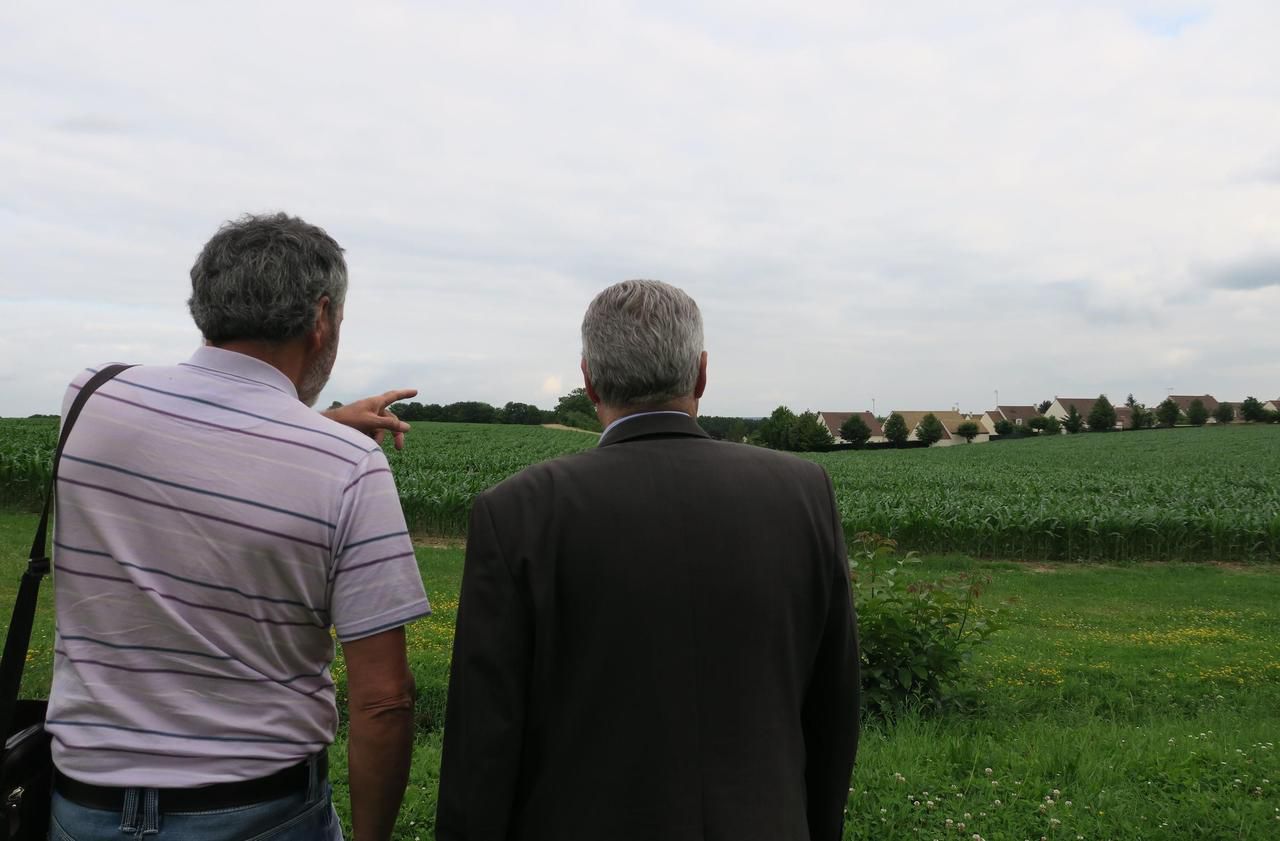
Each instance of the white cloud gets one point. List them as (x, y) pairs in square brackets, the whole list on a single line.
[(908, 202)]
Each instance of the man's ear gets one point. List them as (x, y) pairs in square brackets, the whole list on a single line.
[(702, 377), (323, 325), (586, 382)]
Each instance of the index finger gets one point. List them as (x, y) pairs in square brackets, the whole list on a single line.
[(395, 395)]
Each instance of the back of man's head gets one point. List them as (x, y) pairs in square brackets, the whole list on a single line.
[(642, 344), (260, 278)]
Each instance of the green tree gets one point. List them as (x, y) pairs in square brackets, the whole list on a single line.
[(1252, 410), (1225, 413), (1043, 406), (968, 430), (1167, 413), (1003, 427), (930, 430), (1141, 417), (811, 433), (1130, 401), (1074, 422), (779, 431), (1052, 426), (470, 411), (895, 430), (1197, 414), (855, 430), (1102, 417), (1038, 423), (575, 401), (520, 413)]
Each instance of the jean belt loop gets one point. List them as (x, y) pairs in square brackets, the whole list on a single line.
[(150, 811), (315, 785), (129, 811)]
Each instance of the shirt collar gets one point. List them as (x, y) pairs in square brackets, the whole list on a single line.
[(626, 418), (242, 367)]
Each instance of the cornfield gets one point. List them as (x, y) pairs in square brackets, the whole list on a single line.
[(1182, 494), (26, 459)]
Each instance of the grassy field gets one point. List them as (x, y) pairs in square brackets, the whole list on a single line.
[(1143, 700), (1183, 494)]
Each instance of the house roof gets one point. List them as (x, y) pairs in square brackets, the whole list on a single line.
[(1083, 404), (950, 420), (1124, 416), (1184, 401), (1013, 413), (835, 420)]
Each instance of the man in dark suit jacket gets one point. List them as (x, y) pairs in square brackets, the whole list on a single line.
[(655, 639)]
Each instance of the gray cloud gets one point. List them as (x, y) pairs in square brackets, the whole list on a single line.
[(93, 124), (1258, 272)]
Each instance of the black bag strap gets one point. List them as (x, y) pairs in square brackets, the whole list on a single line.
[(18, 640)]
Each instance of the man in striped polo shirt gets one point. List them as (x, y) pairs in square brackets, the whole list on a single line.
[(212, 529)]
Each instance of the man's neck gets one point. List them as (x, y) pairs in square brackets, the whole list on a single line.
[(611, 414), (289, 358)]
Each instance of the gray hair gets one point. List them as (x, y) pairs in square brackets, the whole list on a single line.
[(260, 277), (642, 342)]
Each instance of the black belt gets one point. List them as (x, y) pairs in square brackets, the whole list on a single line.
[(295, 779)]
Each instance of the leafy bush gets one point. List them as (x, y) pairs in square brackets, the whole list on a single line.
[(1003, 427), (930, 430), (915, 636), (855, 430), (895, 429)]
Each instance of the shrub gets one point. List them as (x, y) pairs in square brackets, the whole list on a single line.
[(1074, 422), (968, 430), (895, 429), (855, 430), (930, 430), (915, 636), (1051, 426), (1003, 427), (1197, 414), (1168, 412), (1102, 417), (1225, 413)]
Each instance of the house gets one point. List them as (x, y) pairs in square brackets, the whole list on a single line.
[(1019, 416), (1184, 402), (1061, 407), (834, 420), (1270, 405), (951, 421)]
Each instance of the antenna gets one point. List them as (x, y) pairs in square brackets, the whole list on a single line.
[(873, 407), (997, 398)]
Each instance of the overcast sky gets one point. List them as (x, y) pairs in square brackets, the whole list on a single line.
[(916, 203)]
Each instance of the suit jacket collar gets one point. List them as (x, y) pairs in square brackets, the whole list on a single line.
[(666, 425)]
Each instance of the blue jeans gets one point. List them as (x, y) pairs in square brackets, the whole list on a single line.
[(298, 817)]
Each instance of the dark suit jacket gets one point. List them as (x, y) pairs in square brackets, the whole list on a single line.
[(655, 641)]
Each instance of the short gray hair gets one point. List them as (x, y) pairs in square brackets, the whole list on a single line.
[(260, 277), (642, 342)]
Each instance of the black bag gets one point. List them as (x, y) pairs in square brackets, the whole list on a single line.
[(26, 769)]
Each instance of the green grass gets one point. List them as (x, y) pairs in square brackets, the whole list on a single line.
[(1141, 693)]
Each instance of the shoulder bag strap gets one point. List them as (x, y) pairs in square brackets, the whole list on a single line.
[(18, 639)]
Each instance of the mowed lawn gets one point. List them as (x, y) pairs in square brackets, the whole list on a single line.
[(1121, 702)]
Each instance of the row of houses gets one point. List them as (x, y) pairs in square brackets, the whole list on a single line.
[(1018, 416)]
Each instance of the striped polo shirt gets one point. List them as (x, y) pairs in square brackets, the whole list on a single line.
[(213, 535)]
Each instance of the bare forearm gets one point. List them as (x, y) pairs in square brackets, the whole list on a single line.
[(379, 753)]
